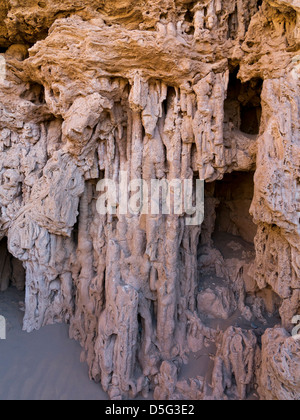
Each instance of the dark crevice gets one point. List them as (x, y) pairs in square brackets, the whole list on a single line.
[(103, 300), (235, 193), (243, 104), (189, 16), (35, 94), (233, 25), (12, 272), (189, 19), (167, 104), (226, 251)]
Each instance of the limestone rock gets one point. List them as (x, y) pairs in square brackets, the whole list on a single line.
[(156, 90), (235, 363), (280, 364), (219, 303)]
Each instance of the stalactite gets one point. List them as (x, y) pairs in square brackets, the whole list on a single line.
[(162, 98)]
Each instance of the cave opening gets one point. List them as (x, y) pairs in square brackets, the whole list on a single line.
[(35, 93), (226, 247), (167, 104), (242, 107), (12, 287), (234, 194), (189, 22), (227, 210), (12, 272), (226, 258)]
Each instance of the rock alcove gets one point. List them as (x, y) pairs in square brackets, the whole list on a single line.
[(175, 90)]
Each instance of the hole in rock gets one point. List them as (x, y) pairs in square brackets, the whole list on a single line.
[(12, 272), (235, 194), (75, 231), (227, 209), (189, 16), (228, 292), (12, 284), (226, 247), (189, 20), (168, 103), (243, 104), (35, 94)]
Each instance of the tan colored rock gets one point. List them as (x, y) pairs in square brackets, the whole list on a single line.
[(280, 364), (234, 364), (157, 90), (219, 303)]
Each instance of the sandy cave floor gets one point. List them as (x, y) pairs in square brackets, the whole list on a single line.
[(43, 365)]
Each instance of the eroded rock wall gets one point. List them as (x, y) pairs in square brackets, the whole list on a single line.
[(95, 89)]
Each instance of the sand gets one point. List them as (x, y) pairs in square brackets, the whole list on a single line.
[(43, 365)]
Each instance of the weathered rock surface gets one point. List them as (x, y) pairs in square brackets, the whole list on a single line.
[(171, 89), (280, 365)]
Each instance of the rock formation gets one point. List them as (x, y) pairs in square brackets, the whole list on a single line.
[(170, 89)]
